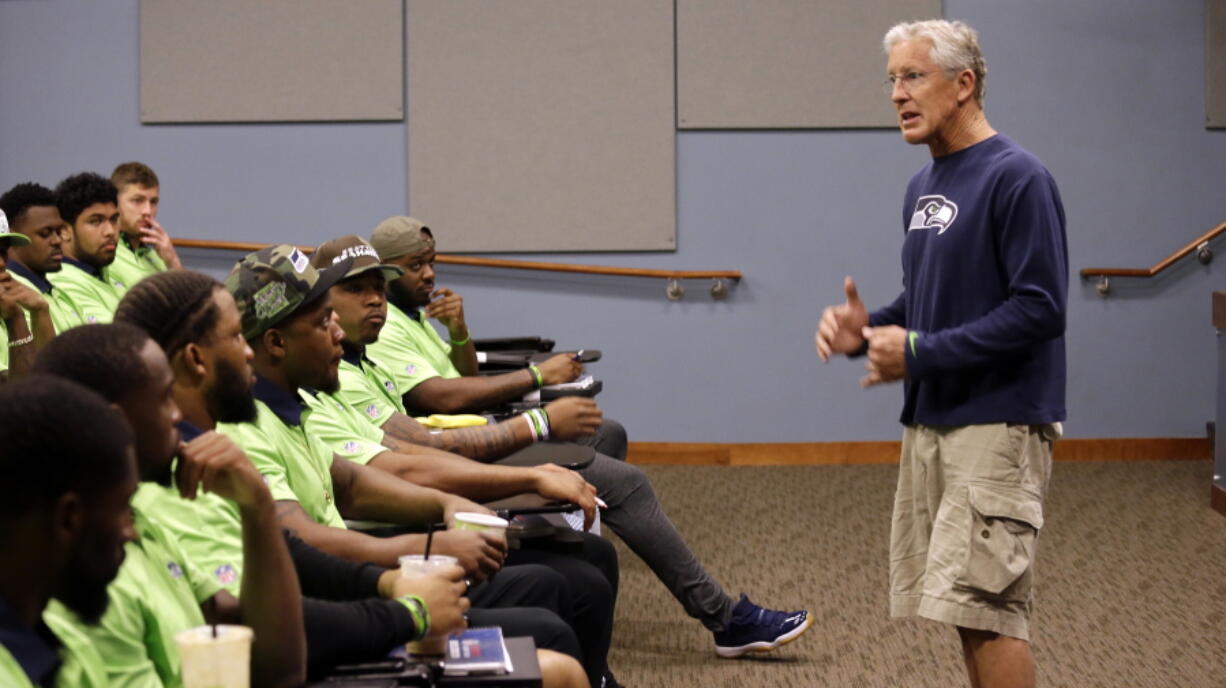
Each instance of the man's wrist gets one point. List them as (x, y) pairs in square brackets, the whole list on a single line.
[(420, 613), (386, 585), (460, 339)]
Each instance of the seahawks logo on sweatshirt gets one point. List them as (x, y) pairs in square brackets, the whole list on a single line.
[(933, 211)]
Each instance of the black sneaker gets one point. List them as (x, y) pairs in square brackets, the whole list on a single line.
[(755, 629)]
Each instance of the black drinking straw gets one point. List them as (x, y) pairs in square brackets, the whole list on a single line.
[(429, 539)]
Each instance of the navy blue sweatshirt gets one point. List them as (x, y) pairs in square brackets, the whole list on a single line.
[(985, 287)]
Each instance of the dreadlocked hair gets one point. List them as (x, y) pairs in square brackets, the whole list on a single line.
[(175, 307)]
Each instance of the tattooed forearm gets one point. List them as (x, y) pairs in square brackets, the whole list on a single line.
[(483, 443)]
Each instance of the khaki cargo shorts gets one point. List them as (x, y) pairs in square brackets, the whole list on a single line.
[(967, 516)]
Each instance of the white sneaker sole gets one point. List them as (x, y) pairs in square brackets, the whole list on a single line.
[(764, 646)]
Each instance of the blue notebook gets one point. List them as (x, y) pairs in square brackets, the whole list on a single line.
[(477, 651)]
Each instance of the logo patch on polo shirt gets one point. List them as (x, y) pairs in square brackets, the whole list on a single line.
[(372, 411), (389, 385), (351, 447), (226, 574), (410, 369), (933, 211), (176, 571), (91, 319)]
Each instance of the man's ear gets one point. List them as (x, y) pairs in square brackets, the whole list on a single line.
[(67, 516), (273, 343), (966, 85), (190, 361)]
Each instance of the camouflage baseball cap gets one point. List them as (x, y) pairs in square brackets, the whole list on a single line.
[(15, 238), (364, 258), (272, 283)]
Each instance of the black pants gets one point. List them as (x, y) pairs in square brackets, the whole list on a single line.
[(590, 577), (527, 600)]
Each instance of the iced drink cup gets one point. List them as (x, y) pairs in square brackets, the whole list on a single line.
[(417, 566), (221, 661)]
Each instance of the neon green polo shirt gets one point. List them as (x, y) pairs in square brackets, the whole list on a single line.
[(343, 428), (93, 293), (411, 350), (296, 465), (369, 387), (208, 531), (63, 311), (209, 528), (156, 594), (81, 665), (133, 265)]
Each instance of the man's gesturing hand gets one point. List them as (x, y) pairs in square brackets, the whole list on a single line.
[(838, 332), (887, 357), (214, 462)]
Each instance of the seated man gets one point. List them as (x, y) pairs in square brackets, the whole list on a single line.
[(87, 204), (20, 334), (195, 320), (144, 248), (633, 512), (436, 377), (592, 574), (159, 591), (63, 532), (32, 211)]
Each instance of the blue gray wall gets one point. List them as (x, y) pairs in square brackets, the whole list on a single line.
[(1109, 94)]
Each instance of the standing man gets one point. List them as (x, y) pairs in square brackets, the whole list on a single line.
[(144, 248), (32, 211), (977, 336), (88, 206)]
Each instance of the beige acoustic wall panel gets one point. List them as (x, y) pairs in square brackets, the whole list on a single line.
[(786, 64), (1215, 64), (542, 125), (271, 60)]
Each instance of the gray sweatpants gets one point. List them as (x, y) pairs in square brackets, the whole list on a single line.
[(634, 513)]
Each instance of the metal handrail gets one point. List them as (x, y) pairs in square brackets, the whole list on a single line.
[(1200, 245), (674, 291)]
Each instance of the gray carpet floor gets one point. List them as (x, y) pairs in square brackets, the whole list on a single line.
[(1131, 581)]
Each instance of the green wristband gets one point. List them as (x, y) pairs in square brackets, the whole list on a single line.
[(420, 613), (468, 336), (538, 380), (911, 337)]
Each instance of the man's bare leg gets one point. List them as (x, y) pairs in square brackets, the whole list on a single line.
[(997, 661), (969, 657)]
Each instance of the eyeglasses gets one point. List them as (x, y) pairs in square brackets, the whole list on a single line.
[(908, 81)]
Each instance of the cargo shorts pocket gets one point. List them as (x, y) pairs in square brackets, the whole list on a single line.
[(1005, 524)]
